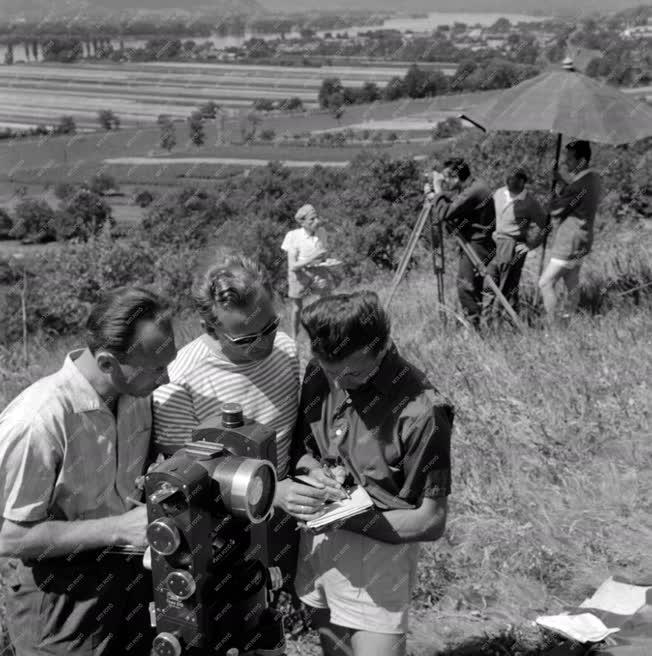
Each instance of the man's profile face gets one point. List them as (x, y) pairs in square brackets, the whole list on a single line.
[(144, 368), (253, 325), (354, 370), (450, 182), (572, 163)]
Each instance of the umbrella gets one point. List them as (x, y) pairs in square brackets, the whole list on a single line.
[(566, 102)]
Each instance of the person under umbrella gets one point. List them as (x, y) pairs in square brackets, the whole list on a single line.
[(574, 204)]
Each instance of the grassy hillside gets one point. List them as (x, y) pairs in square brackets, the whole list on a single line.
[(551, 492)]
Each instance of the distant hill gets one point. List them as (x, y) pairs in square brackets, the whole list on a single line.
[(560, 7), (55, 8)]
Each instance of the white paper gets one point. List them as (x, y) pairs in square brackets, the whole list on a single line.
[(338, 510), (619, 598), (583, 628)]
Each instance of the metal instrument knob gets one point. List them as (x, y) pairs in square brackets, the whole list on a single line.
[(163, 536), (181, 584), (167, 644)]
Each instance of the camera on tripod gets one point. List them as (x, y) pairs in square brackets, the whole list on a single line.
[(207, 506)]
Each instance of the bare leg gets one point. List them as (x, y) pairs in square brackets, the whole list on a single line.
[(552, 273), (296, 316), (341, 641), (572, 281)]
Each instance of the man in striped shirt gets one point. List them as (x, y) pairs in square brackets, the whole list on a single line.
[(241, 358)]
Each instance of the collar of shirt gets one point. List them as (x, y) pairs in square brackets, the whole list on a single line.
[(512, 199), (581, 174), (83, 396)]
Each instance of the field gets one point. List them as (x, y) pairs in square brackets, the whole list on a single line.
[(138, 93)]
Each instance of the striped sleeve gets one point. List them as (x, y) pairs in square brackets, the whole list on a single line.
[(174, 417)]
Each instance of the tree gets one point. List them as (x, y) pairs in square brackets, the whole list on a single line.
[(263, 104), (168, 132), (82, 216), (370, 92), (6, 224), (196, 128), (394, 89), (291, 104), (209, 109), (329, 87), (34, 222), (63, 190), (66, 125), (108, 120), (415, 82), (593, 67), (336, 106), (9, 55), (501, 25)]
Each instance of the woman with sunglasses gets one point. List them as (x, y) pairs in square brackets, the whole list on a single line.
[(242, 358)]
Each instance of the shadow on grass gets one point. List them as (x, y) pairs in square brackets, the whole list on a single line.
[(506, 645)]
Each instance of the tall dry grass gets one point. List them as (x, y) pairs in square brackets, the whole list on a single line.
[(552, 452)]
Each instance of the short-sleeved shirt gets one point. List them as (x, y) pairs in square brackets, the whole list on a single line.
[(202, 379), (393, 434), (63, 453), (576, 206), (303, 247)]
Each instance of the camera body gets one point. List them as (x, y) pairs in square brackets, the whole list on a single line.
[(207, 508)]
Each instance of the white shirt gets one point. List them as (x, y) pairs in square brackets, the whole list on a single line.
[(304, 246)]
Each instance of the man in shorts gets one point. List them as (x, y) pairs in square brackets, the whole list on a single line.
[(366, 409), (575, 205)]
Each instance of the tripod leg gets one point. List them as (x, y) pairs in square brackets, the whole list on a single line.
[(482, 269), (412, 244)]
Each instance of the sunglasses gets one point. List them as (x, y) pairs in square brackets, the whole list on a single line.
[(245, 340)]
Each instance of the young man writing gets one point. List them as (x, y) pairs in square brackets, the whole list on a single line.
[(366, 407)]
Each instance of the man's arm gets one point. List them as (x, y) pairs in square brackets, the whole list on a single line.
[(51, 538), (456, 210), (423, 524)]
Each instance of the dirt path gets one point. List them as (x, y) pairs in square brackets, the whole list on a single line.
[(234, 161)]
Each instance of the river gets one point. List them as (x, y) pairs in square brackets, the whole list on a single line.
[(403, 24)]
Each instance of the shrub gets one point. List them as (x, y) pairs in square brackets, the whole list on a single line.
[(66, 125), (108, 120), (449, 127), (6, 224), (267, 135), (101, 183), (63, 190), (391, 136), (263, 105), (34, 222), (144, 198)]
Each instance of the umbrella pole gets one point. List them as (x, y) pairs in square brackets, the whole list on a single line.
[(555, 168)]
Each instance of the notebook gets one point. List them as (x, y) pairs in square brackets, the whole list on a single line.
[(336, 511)]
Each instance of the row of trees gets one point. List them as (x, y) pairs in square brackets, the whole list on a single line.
[(418, 83)]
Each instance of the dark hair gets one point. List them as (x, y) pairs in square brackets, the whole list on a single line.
[(519, 174), (581, 149), (342, 324), (233, 282), (112, 323), (459, 167)]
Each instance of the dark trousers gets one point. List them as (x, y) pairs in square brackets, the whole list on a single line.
[(505, 270), (470, 281), (81, 609)]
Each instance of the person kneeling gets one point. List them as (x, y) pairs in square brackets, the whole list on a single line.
[(365, 407)]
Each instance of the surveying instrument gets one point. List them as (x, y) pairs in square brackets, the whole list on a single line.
[(438, 263)]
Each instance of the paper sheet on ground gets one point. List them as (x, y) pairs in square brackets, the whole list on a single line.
[(617, 597), (583, 628)]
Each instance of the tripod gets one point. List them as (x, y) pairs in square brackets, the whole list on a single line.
[(438, 264)]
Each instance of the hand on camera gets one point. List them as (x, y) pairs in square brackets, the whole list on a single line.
[(130, 527)]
